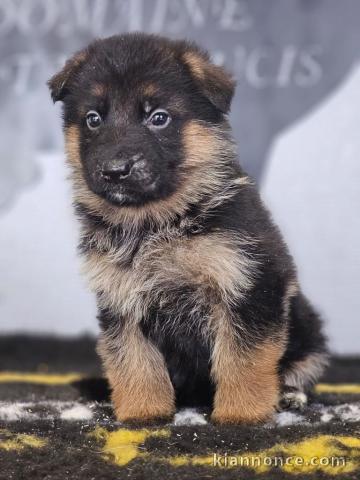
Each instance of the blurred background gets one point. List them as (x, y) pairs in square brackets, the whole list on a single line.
[(296, 117)]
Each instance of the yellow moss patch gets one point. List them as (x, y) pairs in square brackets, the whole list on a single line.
[(123, 445), (19, 441), (40, 378), (180, 460), (337, 388), (329, 454)]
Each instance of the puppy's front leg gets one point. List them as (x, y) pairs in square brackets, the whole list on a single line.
[(136, 370), (246, 378)]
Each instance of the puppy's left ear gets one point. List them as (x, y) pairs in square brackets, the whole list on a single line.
[(215, 82), (59, 83)]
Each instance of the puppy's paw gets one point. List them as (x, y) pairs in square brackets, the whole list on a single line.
[(146, 407), (143, 416), (292, 399), (233, 415)]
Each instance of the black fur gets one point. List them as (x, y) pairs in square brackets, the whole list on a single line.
[(122, 65)]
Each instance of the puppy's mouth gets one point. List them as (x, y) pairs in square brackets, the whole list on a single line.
[(134, 194), (125, 182)]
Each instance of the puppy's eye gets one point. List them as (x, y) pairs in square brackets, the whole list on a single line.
[(93, 120), (159, 119)]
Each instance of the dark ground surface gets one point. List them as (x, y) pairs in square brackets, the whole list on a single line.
[(40, 439)]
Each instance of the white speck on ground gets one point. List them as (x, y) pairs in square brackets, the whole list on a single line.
[(12, 412), (284, 419), (349, 412), (76, 412)]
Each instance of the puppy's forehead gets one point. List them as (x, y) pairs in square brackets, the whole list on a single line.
[(149, 68), (137, 85), (149, 93), (147, 89)]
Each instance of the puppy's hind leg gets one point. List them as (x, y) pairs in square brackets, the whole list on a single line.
[(306, 356), (299, 378)]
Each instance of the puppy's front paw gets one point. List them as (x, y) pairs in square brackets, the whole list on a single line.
[(224, 416), (142, 409), (234, 410), (143, 417)]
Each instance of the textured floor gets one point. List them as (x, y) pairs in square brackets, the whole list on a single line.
[(56, 422)]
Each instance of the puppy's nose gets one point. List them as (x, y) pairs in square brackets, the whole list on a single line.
[(116, 172)]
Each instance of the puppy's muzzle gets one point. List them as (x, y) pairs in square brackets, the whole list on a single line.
[(117, 170)]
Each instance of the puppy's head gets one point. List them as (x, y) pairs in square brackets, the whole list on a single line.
[(138, 113)]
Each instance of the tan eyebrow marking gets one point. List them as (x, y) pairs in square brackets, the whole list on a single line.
[(98, 89), (150, 89)]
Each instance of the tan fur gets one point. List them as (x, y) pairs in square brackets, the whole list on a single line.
[(247, 382), (196, 63), (98, 89), (136, 370), (202, 173), (202, 69), (199, 144), (72, 139), (150, 89), (291, 291), (213, 261), (167, 261)]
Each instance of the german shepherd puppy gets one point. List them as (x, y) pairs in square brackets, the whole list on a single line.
[(197, 294)]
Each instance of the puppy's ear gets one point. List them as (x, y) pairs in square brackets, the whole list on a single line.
[(59, 83), (215, 82)]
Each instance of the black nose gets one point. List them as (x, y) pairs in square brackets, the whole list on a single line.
[(115, 172)]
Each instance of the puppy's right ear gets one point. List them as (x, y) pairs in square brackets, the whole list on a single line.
[(59, 83), (214, 81)]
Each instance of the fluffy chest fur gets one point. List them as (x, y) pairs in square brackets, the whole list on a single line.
[(168, 269)]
